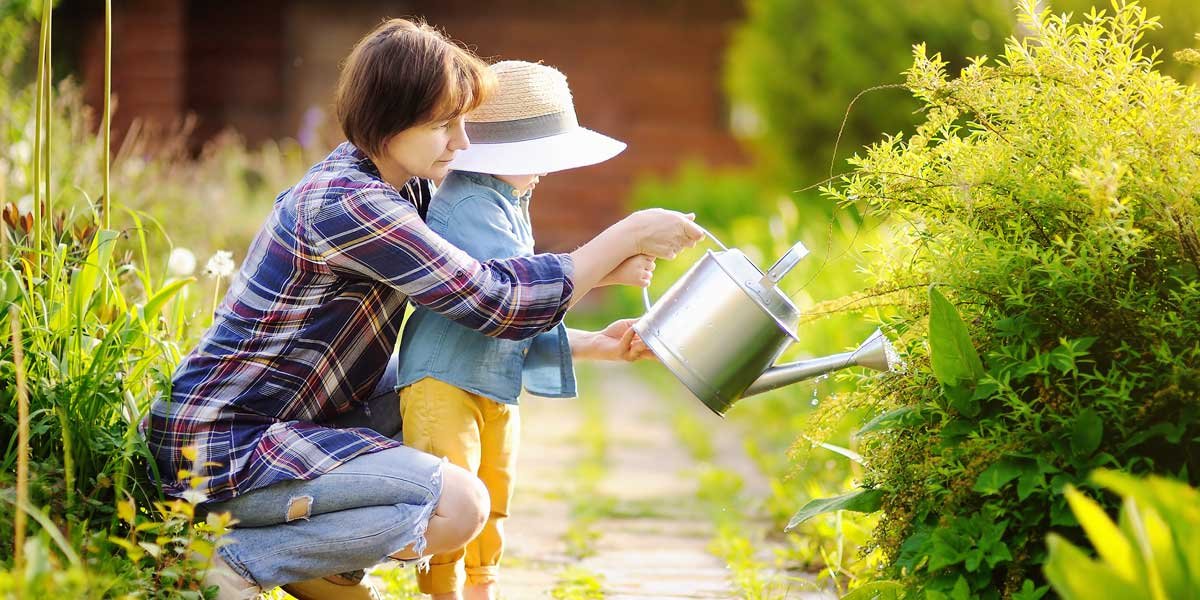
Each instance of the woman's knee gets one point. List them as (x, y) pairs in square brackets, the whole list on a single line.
[(464, 499), (462, 511)]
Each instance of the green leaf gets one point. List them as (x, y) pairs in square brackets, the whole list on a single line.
[(961, 590), (162, 296), (848, 453), (877, 590), (962, 398), (1029, 482), (951, 354), (12, 285), (864, 500), (1086, 432), (1029, 591), (1000, 473), (84, 283), (892, 419)]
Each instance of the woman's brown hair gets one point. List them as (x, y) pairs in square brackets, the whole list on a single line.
[(405, 73)]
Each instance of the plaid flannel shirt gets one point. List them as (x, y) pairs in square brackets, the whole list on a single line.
[(308, 325)]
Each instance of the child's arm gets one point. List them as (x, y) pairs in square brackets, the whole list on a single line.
[(615, 342), (655, 232), (636, 270)]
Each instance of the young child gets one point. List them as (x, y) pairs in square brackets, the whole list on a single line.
[(459, 388)]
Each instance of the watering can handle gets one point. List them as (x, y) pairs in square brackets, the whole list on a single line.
[(784, 264), (646, 290)]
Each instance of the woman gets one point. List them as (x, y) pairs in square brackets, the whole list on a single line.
[(305, 332)]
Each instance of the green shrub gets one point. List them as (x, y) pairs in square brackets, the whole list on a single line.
[(1051, 196)]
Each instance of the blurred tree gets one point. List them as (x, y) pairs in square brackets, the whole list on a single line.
[(795, 66), (17, 17)]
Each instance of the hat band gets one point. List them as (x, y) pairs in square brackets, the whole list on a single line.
[(520, 130)]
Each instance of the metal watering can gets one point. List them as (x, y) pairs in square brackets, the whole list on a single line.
[(722, 326)]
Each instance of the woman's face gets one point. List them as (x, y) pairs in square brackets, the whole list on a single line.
[(426, 150)]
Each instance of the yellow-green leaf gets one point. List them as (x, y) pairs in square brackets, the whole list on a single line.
[(126, 511), (1105, 536), (1075, 576), (161, 297)]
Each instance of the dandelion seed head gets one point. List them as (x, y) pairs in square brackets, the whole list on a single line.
[(220, 265), (182, 262)]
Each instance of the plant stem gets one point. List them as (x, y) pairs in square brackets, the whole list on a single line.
[(216, 297), (19, 521), (107, 204), (48, 92), (68, 455), (37, 145)]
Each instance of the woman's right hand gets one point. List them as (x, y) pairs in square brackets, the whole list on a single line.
[(662, 233)]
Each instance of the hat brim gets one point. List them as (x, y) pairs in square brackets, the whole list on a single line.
[(578, 147)]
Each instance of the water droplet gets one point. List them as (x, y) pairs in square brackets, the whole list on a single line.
[(817, 388)]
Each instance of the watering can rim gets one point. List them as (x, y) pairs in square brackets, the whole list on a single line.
[(742, 286)]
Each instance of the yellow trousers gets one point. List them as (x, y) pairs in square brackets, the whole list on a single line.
[(481, 436)]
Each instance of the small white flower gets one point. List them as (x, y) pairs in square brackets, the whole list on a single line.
[(25, 204), (182, 262), (220, 265), (132, 166), (21, 152), (17, 178), (194, 496)]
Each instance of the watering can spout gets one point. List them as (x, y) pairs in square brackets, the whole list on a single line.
[(874, 353)]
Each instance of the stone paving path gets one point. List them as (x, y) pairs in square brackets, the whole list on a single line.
[(656, 548), (664, 553)]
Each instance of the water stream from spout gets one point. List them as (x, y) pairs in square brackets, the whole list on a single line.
[(817, 388)]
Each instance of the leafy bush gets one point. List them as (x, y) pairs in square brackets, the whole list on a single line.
[(1051, 196), (1153, 551)]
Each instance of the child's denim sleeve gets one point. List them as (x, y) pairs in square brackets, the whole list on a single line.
[(481, 228)]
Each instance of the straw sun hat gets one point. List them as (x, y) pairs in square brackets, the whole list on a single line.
[(528, 126)]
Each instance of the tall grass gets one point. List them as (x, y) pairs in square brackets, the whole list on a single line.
[(96, 324)]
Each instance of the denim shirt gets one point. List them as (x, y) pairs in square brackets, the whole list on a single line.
[(481, 215)]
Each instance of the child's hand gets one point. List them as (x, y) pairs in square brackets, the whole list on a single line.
[(637, 270), (619, 341)]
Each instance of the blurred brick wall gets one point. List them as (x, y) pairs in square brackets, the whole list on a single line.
[(149, 66), (646, 72)]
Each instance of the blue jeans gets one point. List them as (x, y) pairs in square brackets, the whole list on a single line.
[(349, 518)]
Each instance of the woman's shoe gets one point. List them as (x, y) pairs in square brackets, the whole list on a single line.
[(230, 585), (348, 586)]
